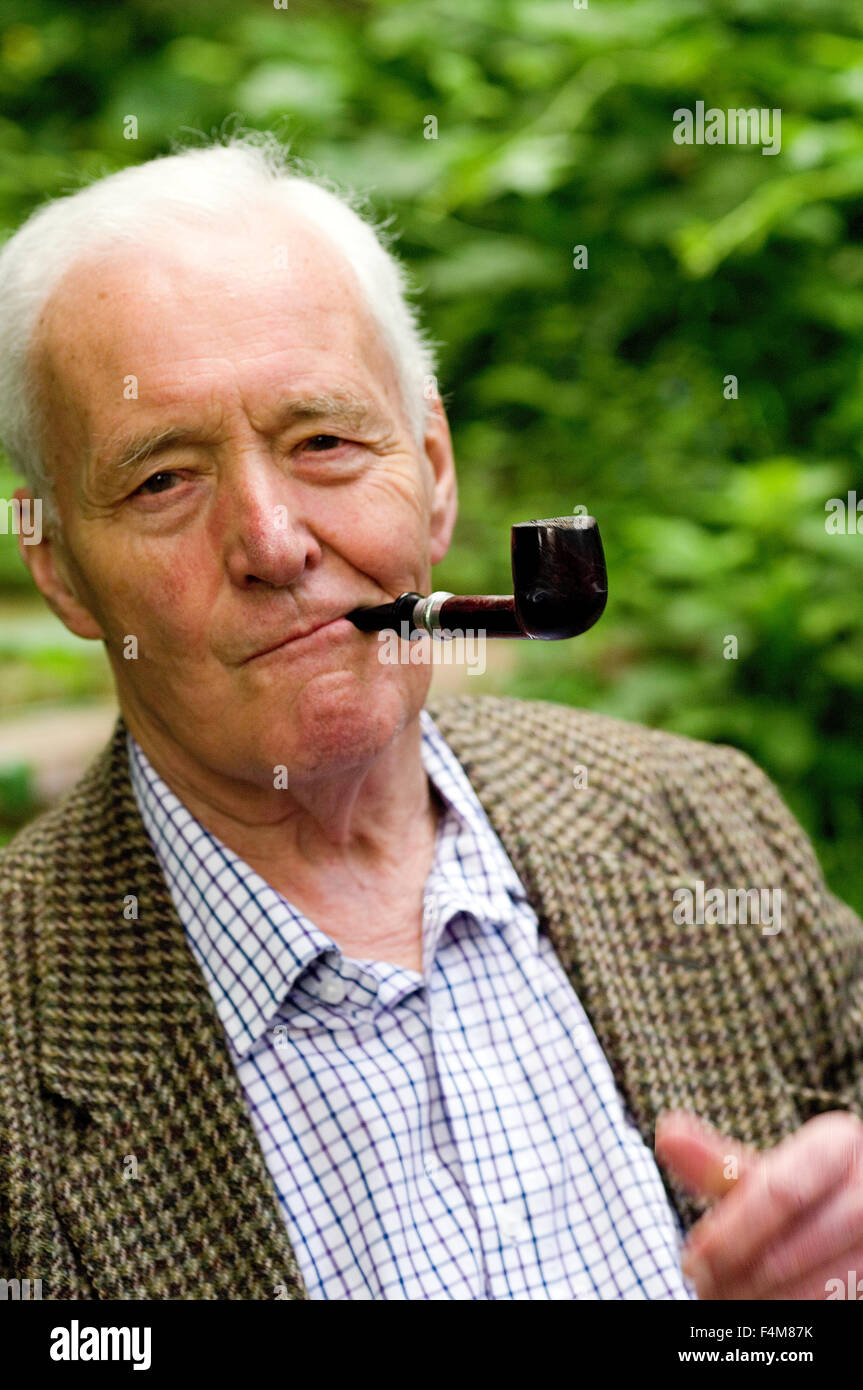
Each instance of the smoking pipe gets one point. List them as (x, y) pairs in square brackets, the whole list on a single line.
[(559, 581)]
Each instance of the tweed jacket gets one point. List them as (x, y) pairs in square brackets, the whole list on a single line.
[(129, 1166)]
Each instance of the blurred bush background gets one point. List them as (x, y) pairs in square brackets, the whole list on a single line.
[(600, 387)]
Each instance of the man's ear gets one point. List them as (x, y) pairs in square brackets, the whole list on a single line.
[(48, 566), (438, 448)]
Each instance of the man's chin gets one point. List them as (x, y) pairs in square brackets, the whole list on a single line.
[(333, 725)]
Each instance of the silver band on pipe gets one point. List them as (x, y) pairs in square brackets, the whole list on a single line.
[(427, 611)]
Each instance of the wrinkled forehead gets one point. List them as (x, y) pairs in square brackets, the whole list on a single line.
[(250, 290)]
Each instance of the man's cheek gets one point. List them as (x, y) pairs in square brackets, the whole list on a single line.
[(165, 594), (394, 554), (396, 499), (155, 626)]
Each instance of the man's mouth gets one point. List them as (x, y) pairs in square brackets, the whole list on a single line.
[(339, 621)]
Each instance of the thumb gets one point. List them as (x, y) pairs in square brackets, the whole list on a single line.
[(705, 1161)]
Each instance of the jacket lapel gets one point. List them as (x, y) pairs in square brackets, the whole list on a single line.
[(160, 1182)]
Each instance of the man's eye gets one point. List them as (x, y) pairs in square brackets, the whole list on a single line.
[(320, 443), (153, 484)]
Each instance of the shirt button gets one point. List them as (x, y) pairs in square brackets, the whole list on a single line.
[(332, 990), (512, 1224)]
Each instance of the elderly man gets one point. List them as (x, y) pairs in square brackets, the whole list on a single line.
[(310, 991)]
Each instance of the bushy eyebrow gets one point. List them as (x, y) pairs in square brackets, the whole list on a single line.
[(353, 412), (347, 411), (137, 448)]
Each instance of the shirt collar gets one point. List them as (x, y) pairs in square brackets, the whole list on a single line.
[(252, 944), (490, 875)]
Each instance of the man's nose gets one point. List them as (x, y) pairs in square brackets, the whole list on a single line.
[(264, 529)]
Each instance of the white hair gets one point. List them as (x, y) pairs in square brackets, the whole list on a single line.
[(243, 175)]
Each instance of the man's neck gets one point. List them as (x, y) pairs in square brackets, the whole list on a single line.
[(361, 820)]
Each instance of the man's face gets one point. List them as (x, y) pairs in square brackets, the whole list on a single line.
[(257, 508)]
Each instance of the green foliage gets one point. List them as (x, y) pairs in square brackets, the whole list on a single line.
[(600, 387), (17, 800)]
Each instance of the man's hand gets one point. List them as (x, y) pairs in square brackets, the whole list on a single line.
[(787, 1220)]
